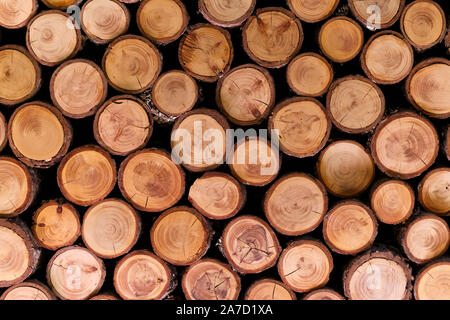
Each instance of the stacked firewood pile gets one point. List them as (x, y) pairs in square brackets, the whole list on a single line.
[(224, 149)]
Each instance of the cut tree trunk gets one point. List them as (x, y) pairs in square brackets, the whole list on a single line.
[(344, 47), (180, 235), (269, 289), (387, 58), (296, 204), (75, 273), (392, 201), (52, 37), (423, 24), (303, 126), (28, 290), (226, 13), (447, 143), (20, 75), (206, 52), (309, 74), (110, 228), (272, 37), (131, 64), (355, 104), (305, 265), (56, 224), (323, 294), (427, 87), (123, 124), (250, 245), (210, 279), (60, 4), (3, 132), (313, 11), (16, 14), (432, 281), (19, 251), (38, 134), (434, 191), (19, 186), (150, 180), (425, 238), (78, 87), (105, 296), (349, 227), (345, 168), (199, 139), (217, 195), (162, 21), (141, 275), (388, 13), (404, 145), (378, 275), (86, 175), (104, 20), (246, 94)]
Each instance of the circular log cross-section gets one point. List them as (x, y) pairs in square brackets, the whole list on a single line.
[(209, 279), (141, 275), (309, 74), (174, 93), (123, 124), (20, 75), (405, 145), (199, 139), (295, 204), (313, 11), (19, 253), (28, 290), (425, 238), (75, 273), (78, 87), (434, 191), (432, 282), (355, 104), (104, 20), (206, 52), (60, 4), (378, 275), (150, 180), (423, 23), (52, 37), (246, 94), (254, 161), (17, 187), (38, 134), (86, 175), (226, 13), (269, 289), (250, 245), (341, 39), (345, 168), (349, 228), (388, 13), (387, 58), (427, 87), (447, 143), (162, 21), (217, 195), (272, 37), (180, 236), (305, 265), (131, 64), (105, 296), (303, 126), (323, 294), (392, 201), (56, 225), (3, 132), (16, 14), (110, 228)]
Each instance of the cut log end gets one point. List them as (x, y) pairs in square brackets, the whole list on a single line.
[(3, 132), (432, 282), (60, 4), (389, 12), (28, 290), (226, 13), (209, 279), (447, 143), (250, 245), (14, 15), (434, 191), (86, 175), (105, 296), (56, 225), (269, 289), (323, 294), (313, 11), (296, 204), (303, 126), (180, 236)]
